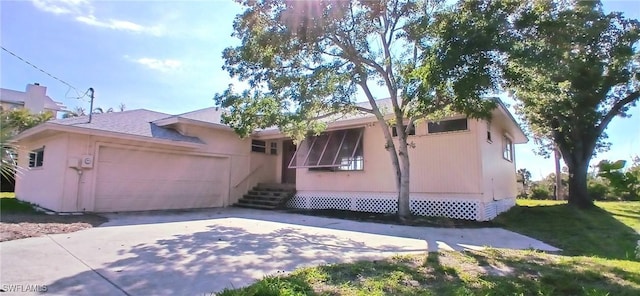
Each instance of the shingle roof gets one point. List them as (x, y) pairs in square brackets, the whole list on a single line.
[(134, 122), (211, 115)]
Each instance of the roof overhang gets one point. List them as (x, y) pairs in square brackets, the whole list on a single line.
[(49, 128), (519, 136), (501, 110), (175, 120), (14, 102), (275, 133)]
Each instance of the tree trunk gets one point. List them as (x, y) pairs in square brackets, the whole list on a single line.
[(401, 167), (396, 163), (391, 148), (578, 194), (558, 191), (404, 209)]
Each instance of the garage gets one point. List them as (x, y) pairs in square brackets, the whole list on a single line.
[(132, 179)]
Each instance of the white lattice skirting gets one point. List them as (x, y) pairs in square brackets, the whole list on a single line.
[(387, 203)]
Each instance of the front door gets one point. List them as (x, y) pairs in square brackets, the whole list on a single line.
[(288, 150)]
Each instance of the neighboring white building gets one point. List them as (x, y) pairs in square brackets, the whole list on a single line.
[(33, 98)]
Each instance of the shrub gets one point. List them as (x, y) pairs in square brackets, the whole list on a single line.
[(540, 192), (598, 190), (621, 183)]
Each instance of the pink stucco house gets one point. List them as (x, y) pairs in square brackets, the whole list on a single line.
[(145, 160)]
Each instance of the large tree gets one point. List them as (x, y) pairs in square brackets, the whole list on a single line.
[(572, 69), (524, 177), (305, 60)]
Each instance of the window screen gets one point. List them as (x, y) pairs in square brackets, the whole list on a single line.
[(338, 150)]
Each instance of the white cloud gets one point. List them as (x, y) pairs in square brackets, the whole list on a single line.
[(83, 11), (120, 25), (62, 6), (165, 65)]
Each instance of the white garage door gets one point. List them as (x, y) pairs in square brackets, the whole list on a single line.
[(137, 180)]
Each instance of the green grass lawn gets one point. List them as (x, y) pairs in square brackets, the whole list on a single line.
[(9, 204), (598, 258), (608, 231)]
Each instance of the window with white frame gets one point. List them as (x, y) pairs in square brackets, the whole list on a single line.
[(258, 146), (351, 164), (489, 132), (274, 148), (449, 125), (36, 158), (507, 149), (331, 151)]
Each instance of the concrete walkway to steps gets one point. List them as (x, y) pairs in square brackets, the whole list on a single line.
[(203, 251)]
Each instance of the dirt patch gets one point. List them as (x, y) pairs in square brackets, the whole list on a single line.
[(22, 225)]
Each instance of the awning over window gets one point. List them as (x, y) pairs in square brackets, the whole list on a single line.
[(330, 149)]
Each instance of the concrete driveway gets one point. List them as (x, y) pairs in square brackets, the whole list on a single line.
[(205, 251)]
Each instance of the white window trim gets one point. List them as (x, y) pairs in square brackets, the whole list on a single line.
[(35, 160), (259, 146), (505, 138)]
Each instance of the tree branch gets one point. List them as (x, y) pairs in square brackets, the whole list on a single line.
[(387, 72), (385, 43), (412, 122), (349, 52), (390, 145), (392, 29), (374, 105), (346, 53), (615, 110), (417, 117)]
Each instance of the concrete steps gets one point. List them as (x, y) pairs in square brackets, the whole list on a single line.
[(267, 196)]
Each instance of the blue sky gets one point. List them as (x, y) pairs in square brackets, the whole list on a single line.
[(166, 56)]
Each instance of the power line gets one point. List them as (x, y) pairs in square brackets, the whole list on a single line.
[(79, 97), (47, 73)]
